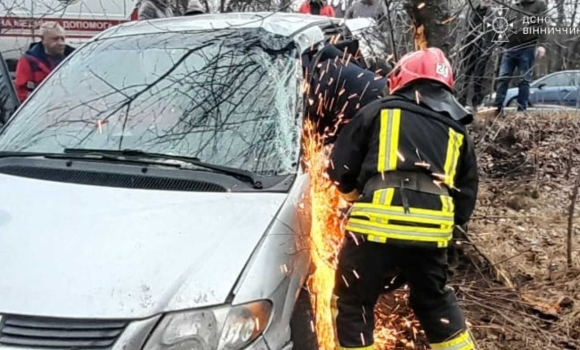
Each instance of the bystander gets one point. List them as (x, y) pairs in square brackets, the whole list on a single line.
[(525, 41), (41, 59)]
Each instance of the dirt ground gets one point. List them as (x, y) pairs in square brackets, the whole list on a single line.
[(514, 281)]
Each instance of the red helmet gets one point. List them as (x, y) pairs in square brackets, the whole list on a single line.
[(429, 64)]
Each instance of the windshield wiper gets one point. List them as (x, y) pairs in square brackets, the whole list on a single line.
[(183, 161), (100, 156)]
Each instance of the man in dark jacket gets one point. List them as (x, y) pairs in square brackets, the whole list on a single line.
[(41, 59), (340, 85), (477, 49), (524, 41), (409, 166)]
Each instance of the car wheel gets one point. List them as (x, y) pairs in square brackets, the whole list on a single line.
[(513, 102), (303, 335)]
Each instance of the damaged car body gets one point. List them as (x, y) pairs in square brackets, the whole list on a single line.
[(153, 191)]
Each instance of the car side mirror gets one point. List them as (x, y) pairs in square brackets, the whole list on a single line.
[(541, 86)]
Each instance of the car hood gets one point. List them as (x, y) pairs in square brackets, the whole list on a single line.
[(82, 251)]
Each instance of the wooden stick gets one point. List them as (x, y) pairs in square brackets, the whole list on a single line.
[(499, 273), (571, 219)]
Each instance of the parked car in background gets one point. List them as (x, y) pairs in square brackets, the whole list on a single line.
[(153, 192), (559, 89)]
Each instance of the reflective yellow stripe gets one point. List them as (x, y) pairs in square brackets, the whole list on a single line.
[(407, 231), (381, 239), (401, 210), (447, 205), (383, 197), (452, 158), (380, 235), (377, 239), (379, 215), (463, 341), (389, 140)]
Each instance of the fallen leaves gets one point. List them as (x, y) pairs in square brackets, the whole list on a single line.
[(527, 168)]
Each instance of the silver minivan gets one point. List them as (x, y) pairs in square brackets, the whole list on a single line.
[(153, 196)]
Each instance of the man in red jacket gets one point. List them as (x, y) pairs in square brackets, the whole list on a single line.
[(317, 7), (40, 59)]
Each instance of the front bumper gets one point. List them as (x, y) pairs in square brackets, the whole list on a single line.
[(136, 334)]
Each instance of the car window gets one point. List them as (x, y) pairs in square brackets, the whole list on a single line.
[(227, 98), (559, 79), (576, 79)]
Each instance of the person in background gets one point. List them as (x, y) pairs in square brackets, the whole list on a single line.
[(194, 7), (135, 13), (477, 50), (41, 59), (521, 50), (152, 9), (317, 7), (375, 9)]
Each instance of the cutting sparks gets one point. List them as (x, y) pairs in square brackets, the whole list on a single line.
[(395, 327)]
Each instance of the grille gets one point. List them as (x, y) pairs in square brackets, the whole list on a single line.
[(59, 333), (111, 179)]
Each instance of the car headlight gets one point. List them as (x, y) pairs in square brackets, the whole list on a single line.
[(220, 328)]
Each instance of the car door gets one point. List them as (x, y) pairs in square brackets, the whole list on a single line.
[(573, 97), (9, 102), (567, 89), (547, 91)]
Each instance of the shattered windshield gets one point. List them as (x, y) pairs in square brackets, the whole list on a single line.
[(226, 97)]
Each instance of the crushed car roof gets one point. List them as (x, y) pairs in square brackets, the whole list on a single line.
[(286, 24)]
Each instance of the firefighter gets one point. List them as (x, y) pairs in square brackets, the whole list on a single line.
[(340, 85), (408, 167)]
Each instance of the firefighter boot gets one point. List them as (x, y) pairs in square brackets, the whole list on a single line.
[(461, 341)]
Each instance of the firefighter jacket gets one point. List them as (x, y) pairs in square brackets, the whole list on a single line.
[(415, 169)]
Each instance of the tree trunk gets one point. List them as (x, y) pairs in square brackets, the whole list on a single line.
[(559, 61), (285, 6), (431, 20), (572, 58)]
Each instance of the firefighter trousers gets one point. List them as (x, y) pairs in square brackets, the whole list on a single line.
[(360, 280)]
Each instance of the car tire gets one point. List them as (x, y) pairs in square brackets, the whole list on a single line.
[(302, 334), (513, 102)]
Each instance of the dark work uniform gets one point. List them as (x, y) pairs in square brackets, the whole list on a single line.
[(339, 87), (417, 174)]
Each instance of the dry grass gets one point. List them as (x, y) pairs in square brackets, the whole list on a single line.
[(528, 167)]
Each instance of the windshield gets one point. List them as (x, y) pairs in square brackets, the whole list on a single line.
[(227, 97)]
